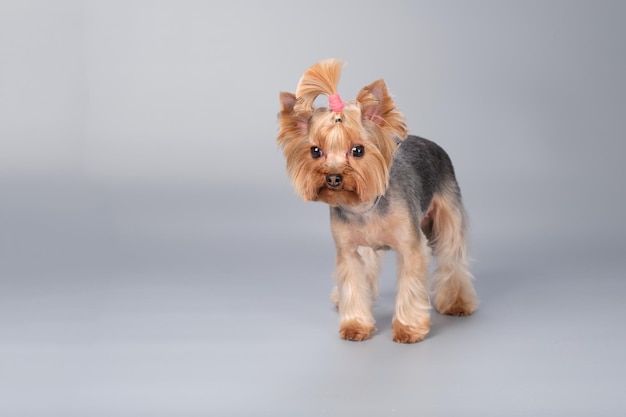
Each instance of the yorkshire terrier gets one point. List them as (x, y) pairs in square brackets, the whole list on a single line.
[(386, 190)]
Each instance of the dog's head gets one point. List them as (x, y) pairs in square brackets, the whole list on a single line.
[(342, 154)]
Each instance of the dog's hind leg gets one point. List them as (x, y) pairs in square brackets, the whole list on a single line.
[(454, 292)]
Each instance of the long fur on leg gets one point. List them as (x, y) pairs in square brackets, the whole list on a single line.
[(454, 292), (411, 320)]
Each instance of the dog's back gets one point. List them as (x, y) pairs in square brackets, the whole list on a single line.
[(420, 169)]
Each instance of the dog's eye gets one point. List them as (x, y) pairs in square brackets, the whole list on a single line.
[(358, 151), (316, 152)]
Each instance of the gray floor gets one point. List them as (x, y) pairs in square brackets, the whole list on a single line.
[(151, 301)]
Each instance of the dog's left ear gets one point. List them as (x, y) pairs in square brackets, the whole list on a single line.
[(378, 107)]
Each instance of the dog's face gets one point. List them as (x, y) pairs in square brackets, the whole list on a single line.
[(341, 157)]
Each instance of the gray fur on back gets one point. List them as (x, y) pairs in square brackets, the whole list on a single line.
[(420, 169)]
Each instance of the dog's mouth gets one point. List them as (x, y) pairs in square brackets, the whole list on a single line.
[(340, 189), (338, 196), (337, 189)]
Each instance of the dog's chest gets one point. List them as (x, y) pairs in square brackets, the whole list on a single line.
[(392, 230)]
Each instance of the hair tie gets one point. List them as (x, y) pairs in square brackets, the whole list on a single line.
[(335, 103)]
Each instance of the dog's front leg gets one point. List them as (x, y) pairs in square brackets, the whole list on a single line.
[(411, 321), (356, 321)]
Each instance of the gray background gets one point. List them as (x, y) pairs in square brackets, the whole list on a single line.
[(154, 260)]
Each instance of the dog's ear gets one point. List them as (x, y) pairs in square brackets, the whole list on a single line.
[(287, 102), (375, 101), (293, 125), (378, 106), (295, 121)]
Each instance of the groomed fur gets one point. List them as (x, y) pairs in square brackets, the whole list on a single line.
[(387, 191), (321, 78), (371, 121)]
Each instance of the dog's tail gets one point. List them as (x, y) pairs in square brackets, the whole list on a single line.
[(321, 78)]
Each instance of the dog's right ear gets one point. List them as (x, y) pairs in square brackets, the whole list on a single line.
[(287, 102), (293, 125)]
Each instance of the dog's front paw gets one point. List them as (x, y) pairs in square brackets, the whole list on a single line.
[(355, 331), (403, 333)]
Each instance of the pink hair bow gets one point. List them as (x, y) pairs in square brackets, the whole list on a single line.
[(335, 103)]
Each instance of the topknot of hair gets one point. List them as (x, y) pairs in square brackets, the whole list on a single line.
[(321, 78)]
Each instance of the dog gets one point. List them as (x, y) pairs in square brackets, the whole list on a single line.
[(387, 190)]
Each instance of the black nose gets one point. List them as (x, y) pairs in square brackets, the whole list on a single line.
[(334, 180)]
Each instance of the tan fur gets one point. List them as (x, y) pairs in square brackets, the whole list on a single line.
[(373, 122), (378, 108), (372, 261), (412, 307), (321, 78), (355, 330), (403, 333), (454, 292)]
